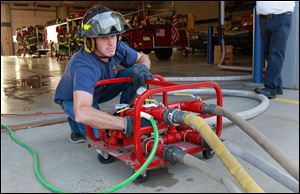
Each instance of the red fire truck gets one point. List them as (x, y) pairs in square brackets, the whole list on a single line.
[(157, 38)]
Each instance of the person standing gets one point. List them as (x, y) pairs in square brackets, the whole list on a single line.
[(275, 25)]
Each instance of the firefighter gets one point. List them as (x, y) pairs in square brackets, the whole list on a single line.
[(100, 58), (275, 25)]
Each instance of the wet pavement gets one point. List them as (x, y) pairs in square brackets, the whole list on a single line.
[(28, 86)]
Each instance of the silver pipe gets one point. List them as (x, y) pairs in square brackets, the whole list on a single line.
[(278, 175), (282, 158), (206, 169), (222, 12), (248, 114), (212, 78)]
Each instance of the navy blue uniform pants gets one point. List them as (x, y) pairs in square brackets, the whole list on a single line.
[(102, 94), (274, 33)]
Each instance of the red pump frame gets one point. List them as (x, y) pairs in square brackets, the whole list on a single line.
[(138, 103)]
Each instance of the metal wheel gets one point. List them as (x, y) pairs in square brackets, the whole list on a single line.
[(107, 160), (184, 52), (208, 154), (143, 177)]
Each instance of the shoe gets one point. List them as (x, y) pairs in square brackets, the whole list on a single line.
[(266, 92), (77, 138), (279, 91)]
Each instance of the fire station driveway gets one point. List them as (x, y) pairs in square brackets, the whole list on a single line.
[(75, 168)]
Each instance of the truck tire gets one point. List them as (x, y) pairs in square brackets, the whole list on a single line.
[(163, 53), (146, 51), (184, 52)]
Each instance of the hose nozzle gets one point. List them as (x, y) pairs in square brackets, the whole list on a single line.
[(173, 154)]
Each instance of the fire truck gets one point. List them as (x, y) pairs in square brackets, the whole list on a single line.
[(153, 33), (157, 38), (145, 36), (32, 40)]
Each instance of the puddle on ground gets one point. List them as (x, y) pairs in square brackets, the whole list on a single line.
[(160, 178), (34, 81), (22, 88), (189, 179)]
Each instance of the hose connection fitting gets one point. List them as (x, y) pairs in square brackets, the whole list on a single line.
[(174, 116), (173, 154), (209, 108)]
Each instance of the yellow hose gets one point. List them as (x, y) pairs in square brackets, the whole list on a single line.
[(233, 166)]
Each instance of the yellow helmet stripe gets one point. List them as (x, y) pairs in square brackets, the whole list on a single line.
[(86, 27)]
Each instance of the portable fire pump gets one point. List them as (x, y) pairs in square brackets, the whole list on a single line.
[(133, 150)]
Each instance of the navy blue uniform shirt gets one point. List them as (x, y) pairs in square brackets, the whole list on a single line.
[(84, 70)]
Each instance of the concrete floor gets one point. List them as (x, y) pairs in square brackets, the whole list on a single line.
[(75, 168)]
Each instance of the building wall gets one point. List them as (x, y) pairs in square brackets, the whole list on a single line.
[(13, 17), (30, 18), (201, 9), (6, 33), (19, 16), (290, 69)]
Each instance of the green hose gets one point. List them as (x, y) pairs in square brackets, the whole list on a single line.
[(144, 166), (109, 190), (36, 162)]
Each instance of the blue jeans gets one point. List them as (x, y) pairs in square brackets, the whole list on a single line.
[(68, 107), (274, 34), (102, 94)]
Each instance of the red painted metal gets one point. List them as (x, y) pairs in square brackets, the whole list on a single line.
[(148, 37), (134, 150)]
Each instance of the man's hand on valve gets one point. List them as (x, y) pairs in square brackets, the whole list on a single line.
[(128, 131), (139, 75)]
